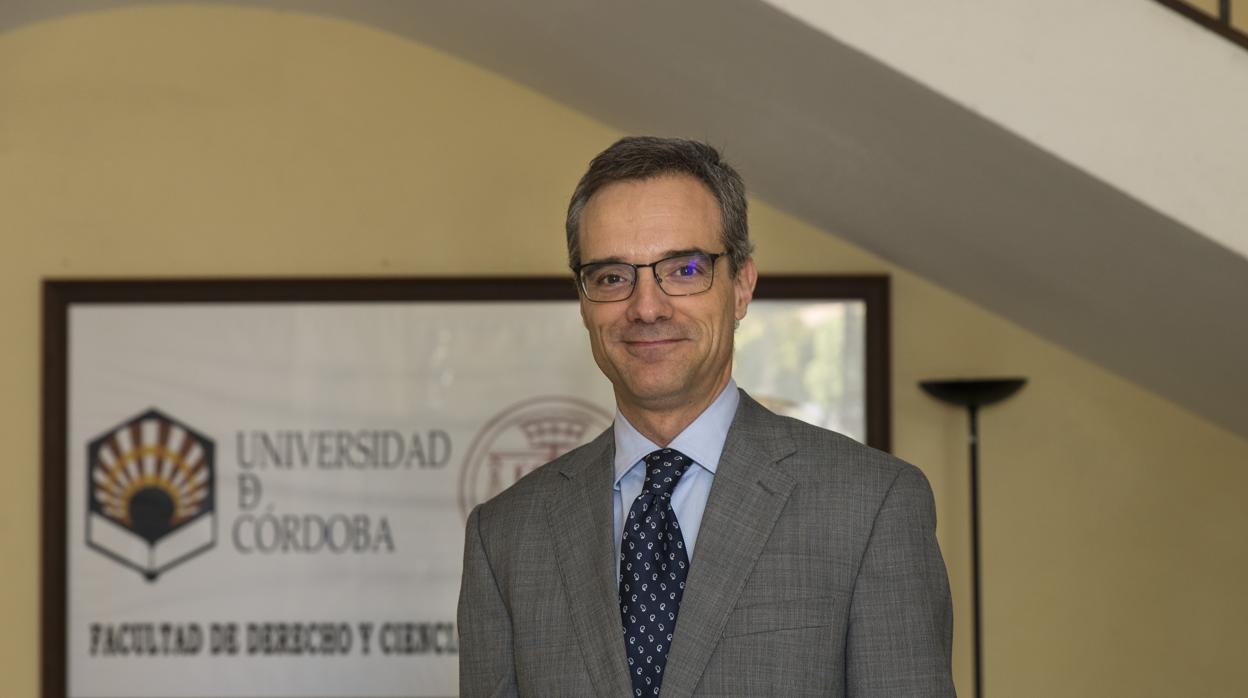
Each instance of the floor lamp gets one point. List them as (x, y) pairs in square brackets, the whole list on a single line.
[(973, 394)]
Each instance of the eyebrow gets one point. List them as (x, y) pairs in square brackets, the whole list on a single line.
[(662, 256)]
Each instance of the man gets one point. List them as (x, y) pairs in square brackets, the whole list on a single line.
[(702, 545)]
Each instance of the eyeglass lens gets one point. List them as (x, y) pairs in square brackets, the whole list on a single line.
[(684, 275)]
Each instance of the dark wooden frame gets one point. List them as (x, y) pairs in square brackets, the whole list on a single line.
[(1218, 25), (59, 295)]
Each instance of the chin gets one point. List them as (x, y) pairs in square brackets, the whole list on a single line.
[(658, 395)]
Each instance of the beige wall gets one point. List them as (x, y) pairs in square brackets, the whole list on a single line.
[(196, 141)]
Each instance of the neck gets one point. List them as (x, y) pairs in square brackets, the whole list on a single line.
[(662, 425)]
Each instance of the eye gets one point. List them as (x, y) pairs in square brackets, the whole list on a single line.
[(691, 267), (608, 277)]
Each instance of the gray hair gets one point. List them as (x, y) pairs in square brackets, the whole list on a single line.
[(645, 157)]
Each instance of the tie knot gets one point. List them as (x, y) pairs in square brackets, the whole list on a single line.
[(663, 470)]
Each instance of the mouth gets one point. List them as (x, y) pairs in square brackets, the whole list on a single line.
[(649, 348), (650, 342)]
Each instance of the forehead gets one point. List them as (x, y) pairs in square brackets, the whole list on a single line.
[(641, 220)]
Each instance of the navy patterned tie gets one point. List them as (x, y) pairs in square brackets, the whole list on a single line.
[(653, 568)]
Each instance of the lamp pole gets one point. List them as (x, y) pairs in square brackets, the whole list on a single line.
[(972, 394)]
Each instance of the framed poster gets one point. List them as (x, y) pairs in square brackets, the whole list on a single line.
[(257, 488)]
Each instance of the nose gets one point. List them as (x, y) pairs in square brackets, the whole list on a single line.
[(648, 303)]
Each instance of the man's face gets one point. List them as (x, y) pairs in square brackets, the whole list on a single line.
[(662, 352)]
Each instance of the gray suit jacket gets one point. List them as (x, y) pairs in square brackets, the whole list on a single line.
[(816, 573)]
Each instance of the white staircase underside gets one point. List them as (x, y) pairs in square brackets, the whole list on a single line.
[(1080, 168)]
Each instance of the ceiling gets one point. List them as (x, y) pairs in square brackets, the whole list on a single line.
[(832, 135)]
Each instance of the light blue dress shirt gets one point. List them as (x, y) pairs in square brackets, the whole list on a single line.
[(702, 441)]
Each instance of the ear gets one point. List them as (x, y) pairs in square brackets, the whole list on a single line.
[(743, 287)]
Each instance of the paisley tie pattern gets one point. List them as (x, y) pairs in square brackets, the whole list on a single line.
[(653, 569)]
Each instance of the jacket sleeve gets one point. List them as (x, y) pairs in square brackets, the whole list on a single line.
[(486, 661), (900, 634)]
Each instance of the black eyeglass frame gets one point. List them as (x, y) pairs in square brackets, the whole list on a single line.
[(654, 269)]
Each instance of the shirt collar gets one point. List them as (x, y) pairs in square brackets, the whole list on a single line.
[(702, 441)]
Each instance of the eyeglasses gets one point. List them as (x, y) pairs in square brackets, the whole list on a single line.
[(682, 275)]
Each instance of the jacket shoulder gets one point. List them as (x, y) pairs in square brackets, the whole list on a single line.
[(822, 454)]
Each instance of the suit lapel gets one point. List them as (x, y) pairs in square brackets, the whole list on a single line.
[(748, 494), (582, 526)]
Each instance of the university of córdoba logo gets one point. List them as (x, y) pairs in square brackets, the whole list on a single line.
[(151, 485), (523, 437)]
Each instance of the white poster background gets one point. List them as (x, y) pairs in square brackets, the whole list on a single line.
[(233, 371)]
